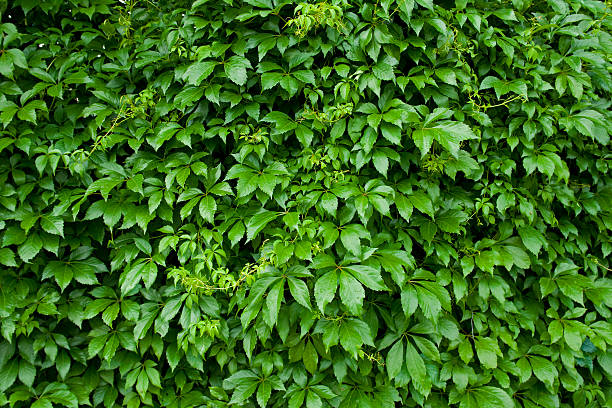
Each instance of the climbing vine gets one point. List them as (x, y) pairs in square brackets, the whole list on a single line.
[(264, 203)]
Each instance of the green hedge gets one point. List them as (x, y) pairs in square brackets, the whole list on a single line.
[(338, 204)]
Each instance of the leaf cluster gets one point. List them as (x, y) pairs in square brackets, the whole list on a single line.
[(341, 203)]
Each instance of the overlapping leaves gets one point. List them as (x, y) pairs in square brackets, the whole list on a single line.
[(326, 204)]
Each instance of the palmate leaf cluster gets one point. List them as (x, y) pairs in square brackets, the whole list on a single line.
[(341, 203)]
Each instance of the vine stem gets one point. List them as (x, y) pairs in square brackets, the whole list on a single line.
[(600, 264), (115, 123)]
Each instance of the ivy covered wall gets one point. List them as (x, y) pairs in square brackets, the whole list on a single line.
[(265, 203)]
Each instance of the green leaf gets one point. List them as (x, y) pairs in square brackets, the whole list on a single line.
[(487, 351), (416, 369), (383, 71), (395, 359), (543, 369), (207, 208), (299, 291), (42, 403), (350, 238), (199, 71), (8, 374), (423, 139), (27, 373), (451, 220), (131, 277), (428, 4), (313, 400), (7, 257), (329, 202), (142, 383), (465, 351), (492, 397), (325, 289), (6, 65), (380, 204), (381, 162), (30, 248), (572, 336), (259, 221), (367, 275), (404, 206), (532, 239), (406, 6), (27, 113), (429, 303), (304, 135), (236, 233), (451, 134), (243, 391), (353, 334), (447, 75), (187, 97), (273, 302), (520, 258), (283, 122), (392, 133), (505, 14), (52, 225), (422, 202), (270, 79), (351, 293), (63, 274), (310, 357), (236, 69)]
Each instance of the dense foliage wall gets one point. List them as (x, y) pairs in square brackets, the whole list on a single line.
[(338, 204)]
